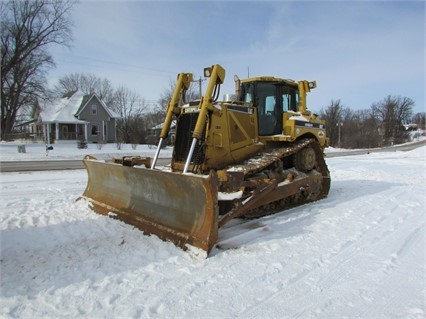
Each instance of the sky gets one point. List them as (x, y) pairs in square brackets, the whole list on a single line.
[(359, 52)]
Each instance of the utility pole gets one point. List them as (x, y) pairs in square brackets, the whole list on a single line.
[(339, 125), (200, 85)]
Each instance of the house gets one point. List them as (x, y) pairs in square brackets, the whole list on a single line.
[(411, 127), (76, 116), (153, 134)]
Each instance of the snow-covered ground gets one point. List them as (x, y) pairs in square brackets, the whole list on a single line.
[(35, 151), (360, 253)]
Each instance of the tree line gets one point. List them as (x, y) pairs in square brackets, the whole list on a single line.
[(380, 125), (30, 27)]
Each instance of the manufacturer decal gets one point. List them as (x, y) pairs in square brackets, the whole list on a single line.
[(310, 125), (191, 110)]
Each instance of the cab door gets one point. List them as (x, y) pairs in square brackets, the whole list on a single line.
[(269, 108)]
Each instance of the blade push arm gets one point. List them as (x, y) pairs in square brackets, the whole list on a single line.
[(183, 82), (217, 77)]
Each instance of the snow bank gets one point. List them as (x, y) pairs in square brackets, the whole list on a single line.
[(34, 151)]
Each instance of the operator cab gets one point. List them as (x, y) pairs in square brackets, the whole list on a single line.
[(272, 97)]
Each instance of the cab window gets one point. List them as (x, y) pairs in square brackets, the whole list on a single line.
[(290, 99), (270, 105)]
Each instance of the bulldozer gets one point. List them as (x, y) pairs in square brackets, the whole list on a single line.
[(254, 153)]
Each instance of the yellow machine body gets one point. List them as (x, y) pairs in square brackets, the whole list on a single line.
[(252, 155)]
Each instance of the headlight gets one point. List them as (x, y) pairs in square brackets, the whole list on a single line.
[(207, 72)]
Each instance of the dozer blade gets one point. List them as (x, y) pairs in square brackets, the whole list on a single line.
[(177, 207)]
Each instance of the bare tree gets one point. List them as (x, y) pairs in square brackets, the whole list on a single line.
[(359, 129), (87, 83), (392, 112), (191, 94), (129, 106), (155, 117), (138, 129), (368, 133), (333, 118), (28, 27), (420, 120), (158, 114)]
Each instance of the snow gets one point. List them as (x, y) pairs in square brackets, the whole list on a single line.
[(298, 117), (359, 253), (229, 196), (62, 110), (69, 150)]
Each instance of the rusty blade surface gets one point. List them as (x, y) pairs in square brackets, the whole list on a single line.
[(176, 207)]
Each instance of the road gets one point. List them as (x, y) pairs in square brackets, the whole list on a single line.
[(403, 148), (21, 166)]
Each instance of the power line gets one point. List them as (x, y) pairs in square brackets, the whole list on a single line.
[(68, 60)]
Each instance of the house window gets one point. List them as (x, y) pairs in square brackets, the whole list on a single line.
[(95, 129), (94, 109)]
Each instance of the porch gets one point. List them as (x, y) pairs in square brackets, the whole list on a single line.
[(56, 132)]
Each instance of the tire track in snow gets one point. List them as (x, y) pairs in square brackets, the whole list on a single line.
[(344, 260)]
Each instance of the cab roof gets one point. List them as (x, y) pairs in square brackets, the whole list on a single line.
[(269, 79)]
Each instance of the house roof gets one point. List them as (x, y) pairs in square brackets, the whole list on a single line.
[(66, 109), (62, 110), (160, 126), (88, 98)]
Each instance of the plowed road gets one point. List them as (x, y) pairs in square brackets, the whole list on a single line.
[(21, 166)]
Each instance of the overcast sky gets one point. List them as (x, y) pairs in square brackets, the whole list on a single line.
[(357, 51)]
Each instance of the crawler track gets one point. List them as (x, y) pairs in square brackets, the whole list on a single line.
[(279, 165)]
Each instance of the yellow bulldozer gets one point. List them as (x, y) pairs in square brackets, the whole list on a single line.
[(257, 152)]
